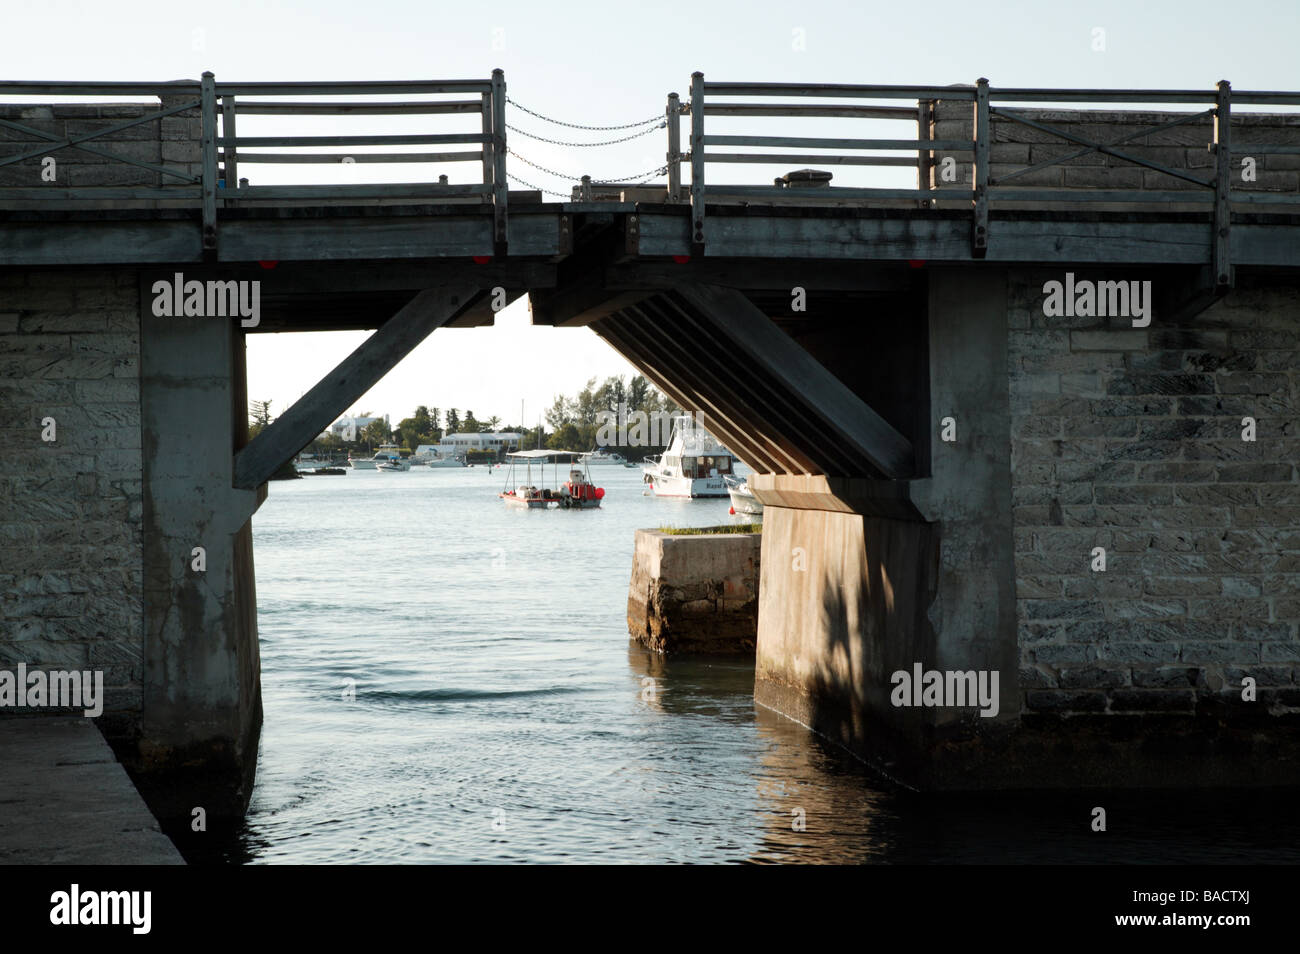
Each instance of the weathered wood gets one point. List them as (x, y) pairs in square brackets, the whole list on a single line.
[(632, 334), (925, 154), (357, 109), (983, 137), (415, 191), (208, 151), (423, 139), (673, 116), (336, 158), (354, 376), (697, 163), (230, 157), (802, 378), (791, 158), (820, 142), (500, 180), (1221, 242), (949, 93), (372, 87), (814, 110)]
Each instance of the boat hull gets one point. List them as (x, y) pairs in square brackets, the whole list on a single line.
[(664, 486), (745, 503), (362, 464)]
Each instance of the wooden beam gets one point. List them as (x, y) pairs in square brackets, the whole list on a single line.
[(357, 374), (803, 378)]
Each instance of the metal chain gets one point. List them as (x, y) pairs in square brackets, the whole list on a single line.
[(658, 170), (584, 145), (580, 126), (567, 197)]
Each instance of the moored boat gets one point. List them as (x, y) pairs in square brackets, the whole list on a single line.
[(694, 465), (742, 498), (526, 486)]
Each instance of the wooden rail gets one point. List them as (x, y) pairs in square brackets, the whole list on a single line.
[(212, 180), (1216, 188), (215, 182)]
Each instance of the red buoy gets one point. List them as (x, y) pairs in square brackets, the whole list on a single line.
[(600, 493), (731, 510)]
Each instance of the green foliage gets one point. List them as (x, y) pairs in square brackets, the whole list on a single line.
[(703, 531)]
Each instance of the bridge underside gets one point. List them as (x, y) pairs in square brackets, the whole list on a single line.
[(826, 350)]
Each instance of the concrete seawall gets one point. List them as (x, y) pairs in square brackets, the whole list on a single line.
[(694, 593)]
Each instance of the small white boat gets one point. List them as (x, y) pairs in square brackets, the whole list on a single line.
[(435, 460), (387, 453), (576, 493), (694, 465), (393, 465), (604, 456), (743, 500)]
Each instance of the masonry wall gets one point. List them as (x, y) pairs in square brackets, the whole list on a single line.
[(1185, 147), (171, 142), (70, 510), (1131, 439)]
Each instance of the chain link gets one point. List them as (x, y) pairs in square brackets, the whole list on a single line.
[(585, 145), (559, 195), (657, 171), (557, 122)]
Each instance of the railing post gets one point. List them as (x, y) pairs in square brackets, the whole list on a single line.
[(500, 185), (208, 110), (983, 132), (229, 152), (1223, 277), (673, 114), (488, 149), (697, 163), (924, 161)]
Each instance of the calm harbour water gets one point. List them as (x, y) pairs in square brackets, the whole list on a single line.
[(499, 711)]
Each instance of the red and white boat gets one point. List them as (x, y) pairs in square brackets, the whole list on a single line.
[(527, 488)]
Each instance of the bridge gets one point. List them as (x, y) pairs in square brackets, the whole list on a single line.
[(946, 449)]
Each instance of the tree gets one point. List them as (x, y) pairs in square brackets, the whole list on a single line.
[(453, 421), (492, 423), (469, 425), (376, 432)]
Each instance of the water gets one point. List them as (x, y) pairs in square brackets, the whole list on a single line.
[(499, 711)]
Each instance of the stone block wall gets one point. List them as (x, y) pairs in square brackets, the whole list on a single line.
[(1185, 147), (71, 509), (1130, 439), (172, 141)]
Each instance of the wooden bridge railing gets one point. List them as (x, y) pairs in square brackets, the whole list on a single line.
[(197, 165), (992, 180)]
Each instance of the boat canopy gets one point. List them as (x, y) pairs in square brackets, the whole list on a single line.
[(546, 456)]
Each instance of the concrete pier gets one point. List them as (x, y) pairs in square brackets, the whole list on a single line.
[(67, 801), (694, 593)]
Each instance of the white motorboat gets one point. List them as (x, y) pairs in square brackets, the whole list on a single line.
[(393, 465), (743, 500), (435, 460), (694, 465), (386, 454), (576, 493), (604, 456)]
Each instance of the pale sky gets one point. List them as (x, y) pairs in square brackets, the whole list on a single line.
[(611, 63)]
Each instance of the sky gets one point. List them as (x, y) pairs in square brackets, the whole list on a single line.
[(612, 63)]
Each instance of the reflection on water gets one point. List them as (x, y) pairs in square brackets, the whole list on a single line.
[(448, 681)]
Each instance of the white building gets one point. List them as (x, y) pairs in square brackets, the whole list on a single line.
[(455, 445), (348, 428)]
